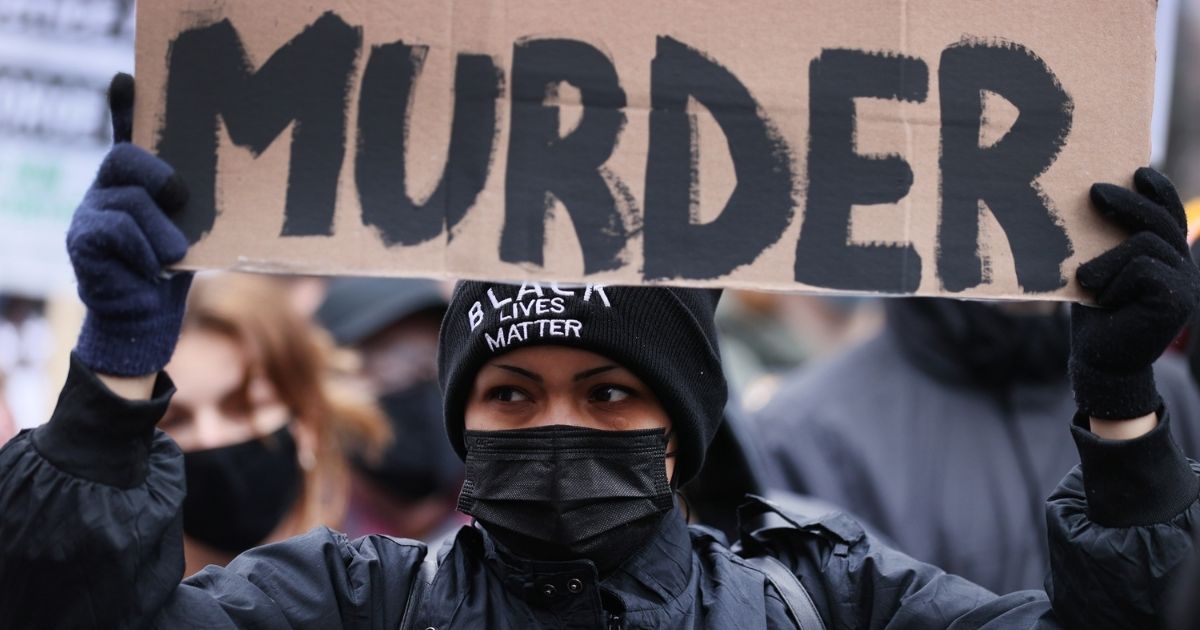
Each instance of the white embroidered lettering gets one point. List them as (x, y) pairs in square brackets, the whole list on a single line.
[(497, 304), (534, 288), (498, 342), (475, 315), (599, 290)]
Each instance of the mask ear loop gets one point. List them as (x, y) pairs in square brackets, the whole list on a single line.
[(680, 498), (669, 454)]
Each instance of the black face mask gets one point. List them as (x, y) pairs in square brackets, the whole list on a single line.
[(419, 462), (237, 494), (981, 342), (562, 493)]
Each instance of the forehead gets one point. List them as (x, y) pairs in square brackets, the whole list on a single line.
[(206, 366)]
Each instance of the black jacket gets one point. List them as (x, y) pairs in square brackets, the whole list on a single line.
[(90, 537)]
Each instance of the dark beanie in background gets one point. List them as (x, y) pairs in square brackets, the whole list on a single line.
[(663, 335), (355, 309)]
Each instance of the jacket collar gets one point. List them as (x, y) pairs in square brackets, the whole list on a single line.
[(654, 575), (660, 571)]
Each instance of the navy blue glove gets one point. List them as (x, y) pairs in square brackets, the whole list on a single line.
[(120, 241), (1146, 288)]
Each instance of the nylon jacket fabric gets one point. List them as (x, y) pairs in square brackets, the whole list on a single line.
[(952, 473), (85, 545)]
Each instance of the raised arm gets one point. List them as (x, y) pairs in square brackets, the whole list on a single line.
[(1120, 524), (1119, 536), (90, 503)]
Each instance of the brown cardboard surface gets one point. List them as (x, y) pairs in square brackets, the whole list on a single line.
[(1100, 52)]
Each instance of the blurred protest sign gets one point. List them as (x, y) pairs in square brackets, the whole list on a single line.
[(56, 59), (941, 147)]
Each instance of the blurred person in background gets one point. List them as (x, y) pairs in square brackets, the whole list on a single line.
[(26, 343), (258, 419), (767, 335), (943, 432), (1186, 601), (1187, 615), (8, 426), (407, 487), (1191, 336)]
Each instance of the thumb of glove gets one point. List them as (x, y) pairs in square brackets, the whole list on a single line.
[(120, 107)]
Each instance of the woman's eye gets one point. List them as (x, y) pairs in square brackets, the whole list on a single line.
[(508, 394), (170, 420), (236, 407), (176, 419), (610, 394)]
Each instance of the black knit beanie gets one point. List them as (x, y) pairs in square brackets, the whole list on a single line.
[(663, 335)]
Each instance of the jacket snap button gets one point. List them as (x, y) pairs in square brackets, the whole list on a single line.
[(574, 585), (549, 590)]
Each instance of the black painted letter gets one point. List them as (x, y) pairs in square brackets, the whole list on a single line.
[(305, 82), (541, 163), (839, 178), (383, 123), (1003, 174), (760, 206)]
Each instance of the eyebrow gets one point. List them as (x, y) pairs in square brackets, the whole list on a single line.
[(592, 372), (523, 372)]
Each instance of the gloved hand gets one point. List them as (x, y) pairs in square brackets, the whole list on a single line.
[(1146, 288), (119, 241)]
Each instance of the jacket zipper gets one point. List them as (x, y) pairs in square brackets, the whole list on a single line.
[(614, 622)]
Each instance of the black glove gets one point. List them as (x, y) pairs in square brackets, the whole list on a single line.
[(119, 241), (1193, 344), (1146, 289)]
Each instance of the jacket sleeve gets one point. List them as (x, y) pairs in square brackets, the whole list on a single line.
[(1120, 531), (91, 536)]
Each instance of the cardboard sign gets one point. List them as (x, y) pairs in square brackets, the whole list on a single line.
[(942, 147)]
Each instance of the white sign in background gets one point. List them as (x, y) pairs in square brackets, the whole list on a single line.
[(56, 59)]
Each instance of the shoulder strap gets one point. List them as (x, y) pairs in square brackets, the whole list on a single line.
[(758, 516), (795, 596)]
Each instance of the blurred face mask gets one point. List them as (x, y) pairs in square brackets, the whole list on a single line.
[(237, 494), (562, 492), (991, 343), (419, 462)]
